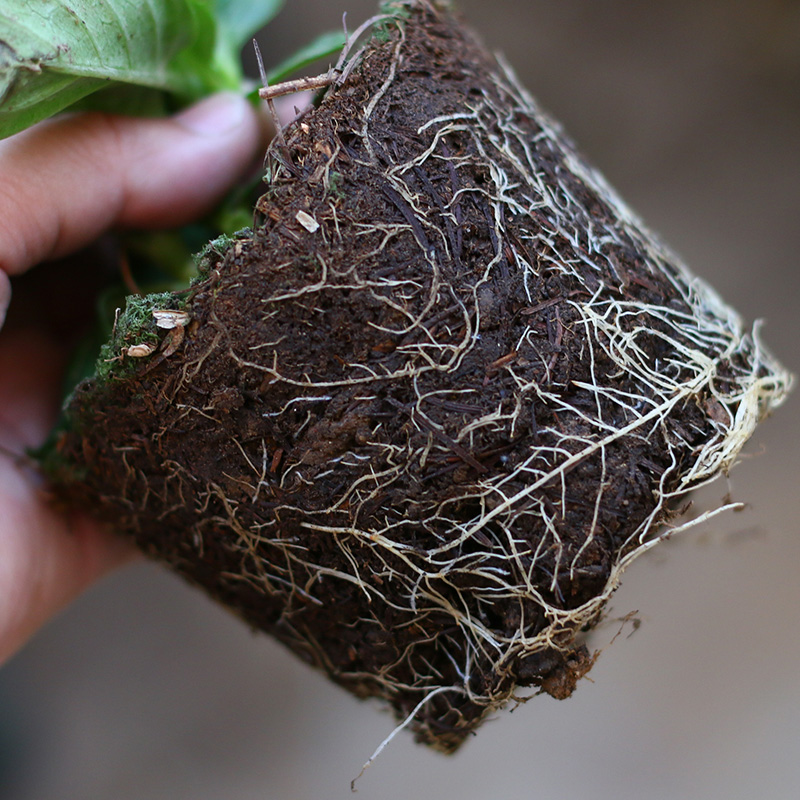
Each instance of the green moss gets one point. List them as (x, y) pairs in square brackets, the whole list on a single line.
[(398, 11), (398, 8), (213, 251), (335, 185), (135, 325)]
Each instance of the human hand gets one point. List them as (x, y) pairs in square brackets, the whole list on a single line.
[(62, 184)]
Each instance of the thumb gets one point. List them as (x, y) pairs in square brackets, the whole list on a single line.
[(67, 180)]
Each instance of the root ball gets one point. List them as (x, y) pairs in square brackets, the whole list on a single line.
[(417, 421)]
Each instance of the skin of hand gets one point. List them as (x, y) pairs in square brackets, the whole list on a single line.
[(63, 183)]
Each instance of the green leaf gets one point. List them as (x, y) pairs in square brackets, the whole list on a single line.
[(54, 52), (325, 45), (120, 98), (238, 21), (242, 19)]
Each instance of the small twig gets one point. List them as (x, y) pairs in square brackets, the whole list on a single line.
[(298, 85), (337, 74), (276, 121), (530, 310), (339, 68), (501, 362)]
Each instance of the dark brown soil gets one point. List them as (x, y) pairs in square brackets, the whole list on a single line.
[(402, 442)]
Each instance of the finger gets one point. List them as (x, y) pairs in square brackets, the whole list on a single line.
[(67, 180), (41, 576), (292, 106), (46, 558)]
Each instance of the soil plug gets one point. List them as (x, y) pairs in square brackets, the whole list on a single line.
[(417, 421)]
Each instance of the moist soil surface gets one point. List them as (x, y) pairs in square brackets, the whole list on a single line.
[(391, 424)]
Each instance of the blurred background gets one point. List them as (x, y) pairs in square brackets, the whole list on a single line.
[(145, 690)]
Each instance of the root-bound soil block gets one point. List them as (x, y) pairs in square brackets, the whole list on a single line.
[(417, 421)]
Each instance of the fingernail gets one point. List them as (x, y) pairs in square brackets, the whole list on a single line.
[(216, 115), (5, 296)]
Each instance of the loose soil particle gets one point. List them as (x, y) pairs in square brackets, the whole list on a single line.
[(416, 422)]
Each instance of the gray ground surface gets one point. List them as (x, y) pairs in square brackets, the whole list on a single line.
[(144, 689)]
